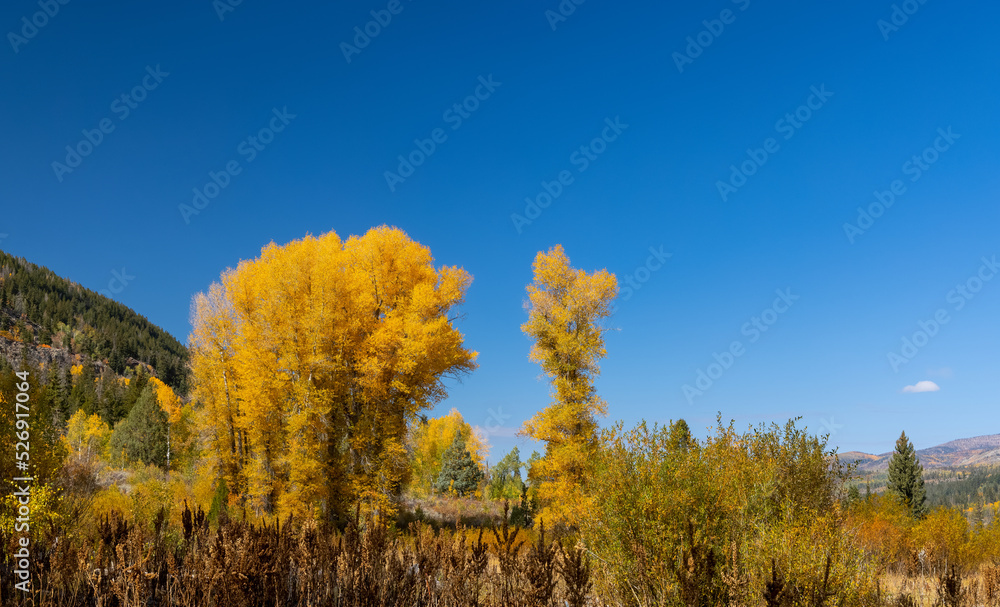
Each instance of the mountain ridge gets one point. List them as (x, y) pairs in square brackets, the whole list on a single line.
[(46, 318), (972, 451)]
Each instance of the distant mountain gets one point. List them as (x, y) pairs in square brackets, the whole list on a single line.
[(979, 450)]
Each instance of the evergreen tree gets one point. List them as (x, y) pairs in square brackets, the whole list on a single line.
[(459, 473), (142, 435), (853, 495), (117, 360), (906, 477)]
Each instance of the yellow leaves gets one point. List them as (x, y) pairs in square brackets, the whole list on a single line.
[(43, 502), (169, 401), (313, 358), (86, 436), (75, 370), (428, 442), (566, 310)]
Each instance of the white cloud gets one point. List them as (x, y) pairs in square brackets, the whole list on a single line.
[(921, 386)]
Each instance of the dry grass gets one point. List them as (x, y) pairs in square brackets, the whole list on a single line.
[(249, 565), (949, 589)]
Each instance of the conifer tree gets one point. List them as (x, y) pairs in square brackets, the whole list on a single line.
[(459, 473), (142, 436), (906, 477), (853, 495)]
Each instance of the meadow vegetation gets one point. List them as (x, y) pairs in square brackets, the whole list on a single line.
[(302, 469)]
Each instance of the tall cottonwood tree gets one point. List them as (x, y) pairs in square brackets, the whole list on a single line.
[(312, 361), (566, 310)]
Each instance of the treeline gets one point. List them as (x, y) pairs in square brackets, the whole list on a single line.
[(304, 442), (739, 518), (40, 308), (966, 487), (79, 418)]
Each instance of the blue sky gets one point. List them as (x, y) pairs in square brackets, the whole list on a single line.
[(816, 107)]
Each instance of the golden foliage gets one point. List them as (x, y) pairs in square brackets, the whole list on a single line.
[(566, 308), (428, 442), (312, 360), (86, 436)]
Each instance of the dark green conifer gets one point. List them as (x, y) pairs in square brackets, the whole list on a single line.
[(459, 473), (906, 477), (142, 436)]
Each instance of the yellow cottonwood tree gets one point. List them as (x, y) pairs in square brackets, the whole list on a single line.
[(566, 307), (313, 360)]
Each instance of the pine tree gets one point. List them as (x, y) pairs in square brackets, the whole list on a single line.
[(906, 477), (142, 435), (679, 437), (459, 473), (853, 494)]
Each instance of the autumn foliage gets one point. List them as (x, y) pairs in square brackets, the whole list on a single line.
[(428, 441), (313, 359), (315, 475), (566, 310)]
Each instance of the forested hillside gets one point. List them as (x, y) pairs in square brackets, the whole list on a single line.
[(41, 309)]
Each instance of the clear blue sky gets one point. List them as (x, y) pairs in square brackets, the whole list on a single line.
[(879, 96)]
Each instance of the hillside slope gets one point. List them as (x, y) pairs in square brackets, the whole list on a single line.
[(47, 318), (979, 450)]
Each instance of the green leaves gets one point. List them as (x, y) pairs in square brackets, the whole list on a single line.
[(677, 517)]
